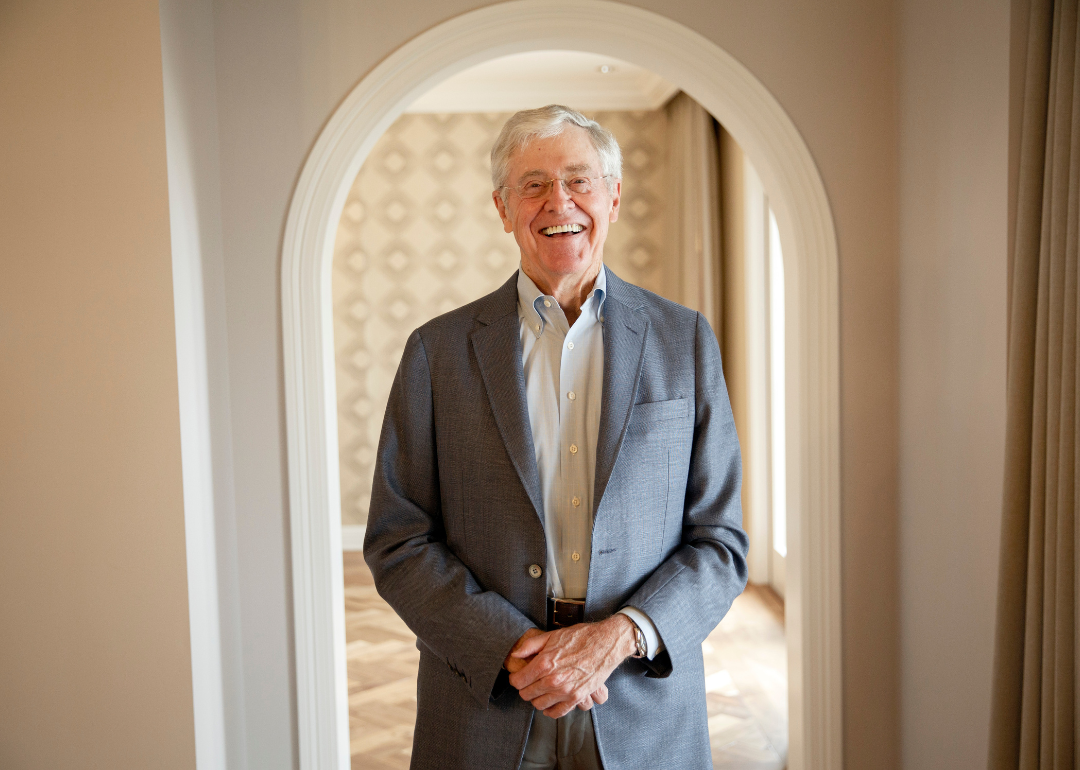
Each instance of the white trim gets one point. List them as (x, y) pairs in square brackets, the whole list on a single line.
[(757, 455), (352, 537), (760, 125), (191, 149)]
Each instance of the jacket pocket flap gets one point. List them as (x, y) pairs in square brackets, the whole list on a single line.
[(655, 411)]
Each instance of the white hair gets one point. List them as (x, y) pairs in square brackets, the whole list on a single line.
[(544, 122)]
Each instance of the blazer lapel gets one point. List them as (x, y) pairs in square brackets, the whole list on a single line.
[(625, 333), (497, 344)]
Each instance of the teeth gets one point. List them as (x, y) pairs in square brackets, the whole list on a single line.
[(574, 228)]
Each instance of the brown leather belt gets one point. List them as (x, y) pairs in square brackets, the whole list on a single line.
[(563, 613)]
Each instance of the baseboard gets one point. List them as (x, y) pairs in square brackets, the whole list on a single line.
[(352, 537)]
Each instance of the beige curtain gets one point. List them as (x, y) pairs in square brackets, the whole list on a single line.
[(706, 268), (694, 173), (733, 334), (1034, 709)]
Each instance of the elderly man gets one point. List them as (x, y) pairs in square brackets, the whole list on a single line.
[(556, 502)]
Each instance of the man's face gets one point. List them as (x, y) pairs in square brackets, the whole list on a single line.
[(567, 155)]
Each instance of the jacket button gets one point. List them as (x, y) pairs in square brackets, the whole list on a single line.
[(535, 571)]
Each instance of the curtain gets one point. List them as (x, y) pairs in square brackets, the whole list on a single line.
[(733, 334), (706, 265), (693, 171), (1034, 707)]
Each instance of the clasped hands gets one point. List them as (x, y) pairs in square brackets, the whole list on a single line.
[(558, 671)]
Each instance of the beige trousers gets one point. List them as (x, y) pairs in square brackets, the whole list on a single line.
[(567, 743)]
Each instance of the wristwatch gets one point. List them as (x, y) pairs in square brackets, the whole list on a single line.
[(642, 645)]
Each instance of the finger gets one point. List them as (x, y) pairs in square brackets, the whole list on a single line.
[(542, 675), (513, 665), (586, 704), (530, 644), (539, 667), (551, 699), (600, 696), (559, 710), (542, 697), (530, 632), (528, 677), (557, 685)]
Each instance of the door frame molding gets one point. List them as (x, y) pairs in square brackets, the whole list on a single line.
[(772, 142)]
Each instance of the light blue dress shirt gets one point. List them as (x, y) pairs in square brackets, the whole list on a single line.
[(564, 376)]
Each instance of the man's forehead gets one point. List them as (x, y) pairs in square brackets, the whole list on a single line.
[(570, 151)]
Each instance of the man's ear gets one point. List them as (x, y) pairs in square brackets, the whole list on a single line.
[(616, 199), (504, 215)]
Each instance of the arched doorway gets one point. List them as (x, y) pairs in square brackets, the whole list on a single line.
[(732, 94)]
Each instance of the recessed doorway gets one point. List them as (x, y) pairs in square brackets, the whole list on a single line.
[(804, 225), (419, 236)]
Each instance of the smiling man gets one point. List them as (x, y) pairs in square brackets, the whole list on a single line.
[(555, 511)]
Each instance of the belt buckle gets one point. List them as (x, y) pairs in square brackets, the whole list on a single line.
[(563, 613)]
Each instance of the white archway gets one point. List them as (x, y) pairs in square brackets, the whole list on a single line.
[(758, 122)]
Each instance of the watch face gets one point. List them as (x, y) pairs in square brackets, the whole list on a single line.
[(639, 639)]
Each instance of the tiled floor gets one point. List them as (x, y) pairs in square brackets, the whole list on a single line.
[(745, 668)]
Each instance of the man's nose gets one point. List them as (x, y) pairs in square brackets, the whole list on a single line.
[(559, 198)]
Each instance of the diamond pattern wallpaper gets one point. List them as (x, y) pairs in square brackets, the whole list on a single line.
[(419, 236)]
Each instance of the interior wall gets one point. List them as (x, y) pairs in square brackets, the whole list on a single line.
[(263, 138), (283, 66), (954, 170), (95, 661)]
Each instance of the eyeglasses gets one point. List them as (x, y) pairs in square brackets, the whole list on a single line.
[(537, 188)]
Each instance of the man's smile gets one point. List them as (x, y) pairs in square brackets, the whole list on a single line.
[(572, 229)]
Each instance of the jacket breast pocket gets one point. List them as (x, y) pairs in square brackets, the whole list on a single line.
[(659, 435)]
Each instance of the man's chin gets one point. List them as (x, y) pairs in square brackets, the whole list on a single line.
[(560, 262)]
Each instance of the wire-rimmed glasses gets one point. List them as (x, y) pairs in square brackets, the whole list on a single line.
[(538, 188)]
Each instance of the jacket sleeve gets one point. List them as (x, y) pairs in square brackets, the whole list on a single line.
[(470, 628), (691, 591)]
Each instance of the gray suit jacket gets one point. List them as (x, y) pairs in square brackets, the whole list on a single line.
[(456, 520)]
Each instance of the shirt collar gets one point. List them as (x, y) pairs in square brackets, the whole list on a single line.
[(529, 295)]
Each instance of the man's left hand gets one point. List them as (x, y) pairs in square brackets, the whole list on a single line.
[(570, 664)]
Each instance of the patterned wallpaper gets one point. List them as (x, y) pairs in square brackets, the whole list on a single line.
[(419, 236)]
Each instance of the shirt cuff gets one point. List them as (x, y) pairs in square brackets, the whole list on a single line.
[(653, 641)]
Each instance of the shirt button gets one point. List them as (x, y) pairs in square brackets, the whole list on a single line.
[(547, 303), (538, 327), (573, 449), (571, 395), (570, 345), (535, 571), (575, 556), (576, 501)]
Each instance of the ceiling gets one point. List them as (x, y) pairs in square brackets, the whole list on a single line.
[(584, 81)]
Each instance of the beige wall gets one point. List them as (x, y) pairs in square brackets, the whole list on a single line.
[(91, 525), (94, 653), (954, 139)]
